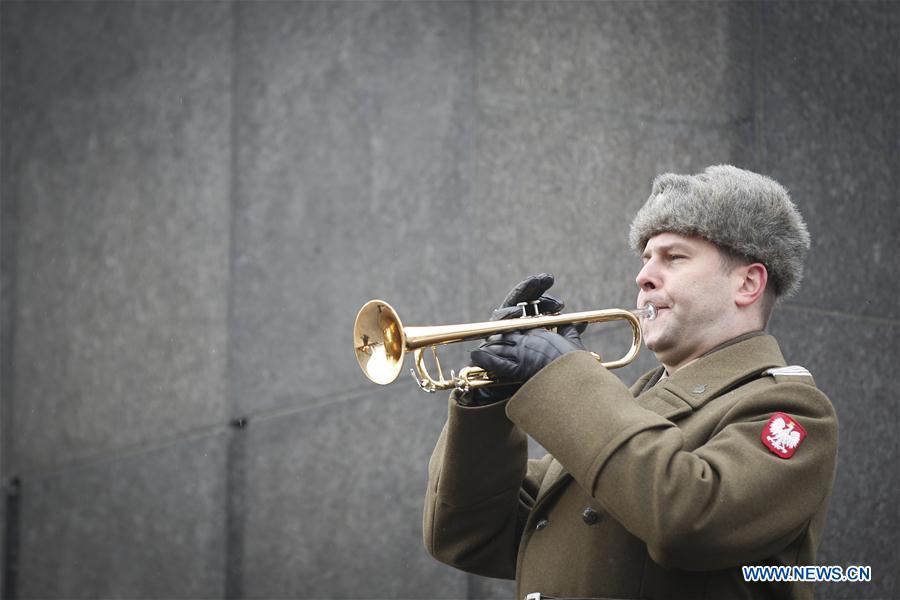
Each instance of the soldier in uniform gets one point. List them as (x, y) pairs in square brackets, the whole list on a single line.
[(721, 457)]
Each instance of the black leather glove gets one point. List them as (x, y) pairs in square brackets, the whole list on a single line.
[(528, 290), (518, 356)]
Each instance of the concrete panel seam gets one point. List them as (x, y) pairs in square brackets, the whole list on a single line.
[(11, 498), (234, 483), (124, 453), (511, 102), (330, 400), (9, 218), (238, 423), (840, 314), (759, 85)]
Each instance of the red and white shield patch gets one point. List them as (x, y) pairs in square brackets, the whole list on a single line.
[(783, 435)]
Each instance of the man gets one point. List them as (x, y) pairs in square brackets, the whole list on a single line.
[(721, 457)]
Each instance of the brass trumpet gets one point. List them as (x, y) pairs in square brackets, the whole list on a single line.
[(381, 341)]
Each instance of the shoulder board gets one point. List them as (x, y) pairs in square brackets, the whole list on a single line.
[(792, 371)]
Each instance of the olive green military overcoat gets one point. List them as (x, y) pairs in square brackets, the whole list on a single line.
[(663, 491)]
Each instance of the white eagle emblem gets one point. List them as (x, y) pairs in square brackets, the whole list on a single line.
[(782, 435)]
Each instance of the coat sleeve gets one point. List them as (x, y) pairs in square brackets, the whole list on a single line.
[(481, 487), (727, 502)]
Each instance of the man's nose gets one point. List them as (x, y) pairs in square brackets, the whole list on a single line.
[(648, 278)]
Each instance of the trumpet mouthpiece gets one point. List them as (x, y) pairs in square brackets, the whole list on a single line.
[(647, 312)]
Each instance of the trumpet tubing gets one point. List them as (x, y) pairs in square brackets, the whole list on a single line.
[(381, 341)]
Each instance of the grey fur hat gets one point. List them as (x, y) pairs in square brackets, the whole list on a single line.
[(748, 214)]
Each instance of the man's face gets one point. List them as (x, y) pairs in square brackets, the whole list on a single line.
[(684, 278)]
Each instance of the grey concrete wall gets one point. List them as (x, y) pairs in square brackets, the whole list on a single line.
[(116, 122), (830, 106), (197, 197)]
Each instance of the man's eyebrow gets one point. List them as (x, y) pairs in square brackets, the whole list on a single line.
[(674, 246)]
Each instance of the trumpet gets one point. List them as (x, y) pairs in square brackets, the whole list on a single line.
[(381, 341)]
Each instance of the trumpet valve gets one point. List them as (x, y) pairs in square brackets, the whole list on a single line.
[(525, 305)]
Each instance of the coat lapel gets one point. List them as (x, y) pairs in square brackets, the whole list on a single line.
[(712, 375), (662, 400), (556, 474)]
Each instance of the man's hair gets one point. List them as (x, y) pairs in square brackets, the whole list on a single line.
[(748, 216)]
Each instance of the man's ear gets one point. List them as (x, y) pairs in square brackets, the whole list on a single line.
[(754, 278)]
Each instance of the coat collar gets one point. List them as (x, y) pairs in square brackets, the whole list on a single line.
[(711, 375)]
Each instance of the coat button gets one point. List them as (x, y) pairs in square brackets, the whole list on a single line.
[(590, 516), (541, 524)]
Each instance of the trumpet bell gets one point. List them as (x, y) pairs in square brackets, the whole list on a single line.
[(379, 341)]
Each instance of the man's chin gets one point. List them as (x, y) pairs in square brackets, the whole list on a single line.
[(657, 345)]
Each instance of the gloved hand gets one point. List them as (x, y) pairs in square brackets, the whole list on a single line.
[(528, 290), (518, 356)]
